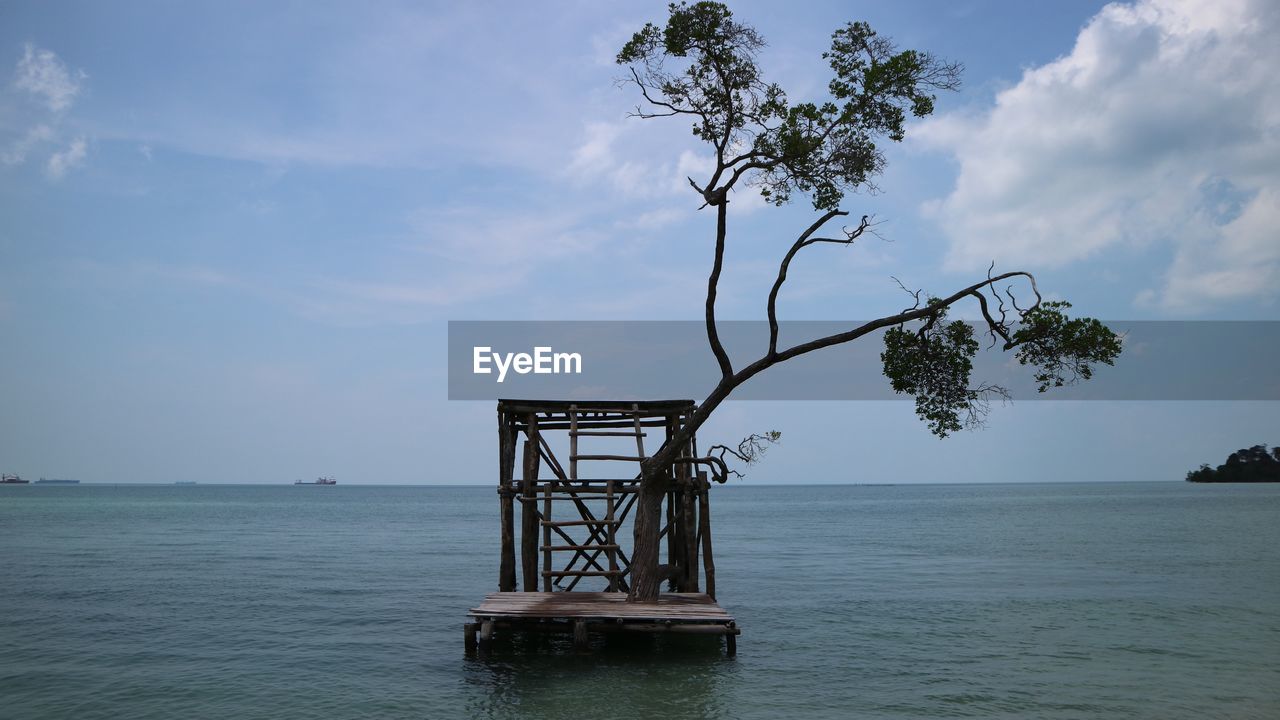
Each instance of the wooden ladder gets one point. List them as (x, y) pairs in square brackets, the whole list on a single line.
[(602, 532)]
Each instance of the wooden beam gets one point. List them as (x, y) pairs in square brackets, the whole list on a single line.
[(546, 538), (573, 442), (689, 508), (552, 462), (561, 523), (704, 533), (620, 423), (606, 433), (622, 556), (506, 470), (566, 548), (611, 547), (529, 511)]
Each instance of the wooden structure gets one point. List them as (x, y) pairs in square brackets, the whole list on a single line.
[(574, 524)]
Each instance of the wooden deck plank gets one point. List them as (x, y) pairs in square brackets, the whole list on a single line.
[(673, 607)]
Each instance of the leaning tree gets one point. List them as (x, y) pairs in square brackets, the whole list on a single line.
[(702, 67)]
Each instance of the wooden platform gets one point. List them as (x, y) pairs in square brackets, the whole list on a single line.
[(585, 612)]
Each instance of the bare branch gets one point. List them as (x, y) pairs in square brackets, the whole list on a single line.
[(904, 317), (749, 451), (866, 225), (782, 272), (672, 109), (719, 469), (978, 410), (994, 327), (1012, 299), (913, 293)]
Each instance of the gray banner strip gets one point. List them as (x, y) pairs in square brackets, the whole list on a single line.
[(1162, 360)]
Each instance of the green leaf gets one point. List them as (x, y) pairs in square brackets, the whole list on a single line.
[(1064, 350), (934, 364)]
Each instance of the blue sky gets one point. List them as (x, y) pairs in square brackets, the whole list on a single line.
[(231, 234)]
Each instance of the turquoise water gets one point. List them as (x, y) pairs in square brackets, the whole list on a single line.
[(1143, 600)]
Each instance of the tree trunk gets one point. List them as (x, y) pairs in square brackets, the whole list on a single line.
[(646, 581), (646, 576)]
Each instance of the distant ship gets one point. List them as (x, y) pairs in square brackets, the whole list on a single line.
[(319, 481), (12, 480), (56, 481)]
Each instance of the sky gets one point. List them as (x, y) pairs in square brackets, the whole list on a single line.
[(232, 234)]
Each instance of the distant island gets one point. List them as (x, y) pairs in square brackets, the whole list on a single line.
[(1252, 465)]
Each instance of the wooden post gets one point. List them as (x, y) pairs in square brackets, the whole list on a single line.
[(689, 519), (731, 643), (611, 528), (486, 633), (675, 524), (580, 641), (611, 539), (546, 537), (507, 460), (671, 530), (704, 532), (573, 442), (529, 510), (469, 636)]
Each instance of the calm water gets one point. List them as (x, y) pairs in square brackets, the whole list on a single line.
[(1049, 601)]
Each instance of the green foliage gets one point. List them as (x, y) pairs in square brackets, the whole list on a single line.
[(1253, 464), (934, 364), (1063, 349), (721, 81), (825, 148)]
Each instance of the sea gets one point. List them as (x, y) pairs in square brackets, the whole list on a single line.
[(1082, 600)]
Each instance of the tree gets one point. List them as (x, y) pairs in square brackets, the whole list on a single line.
[(701, 67), (1253, 464)]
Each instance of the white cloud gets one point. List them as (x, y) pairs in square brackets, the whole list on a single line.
[(18, 151), (1162, 125), (607, 154), (62, 161), (595, 154), (1240, 260), (621, 156), (43, 74)]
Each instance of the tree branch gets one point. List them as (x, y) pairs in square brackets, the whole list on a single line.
[(673, 110), (994, 327), (720, 470), (782, 274), (729, 382), (907, 316), (713, 336)]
